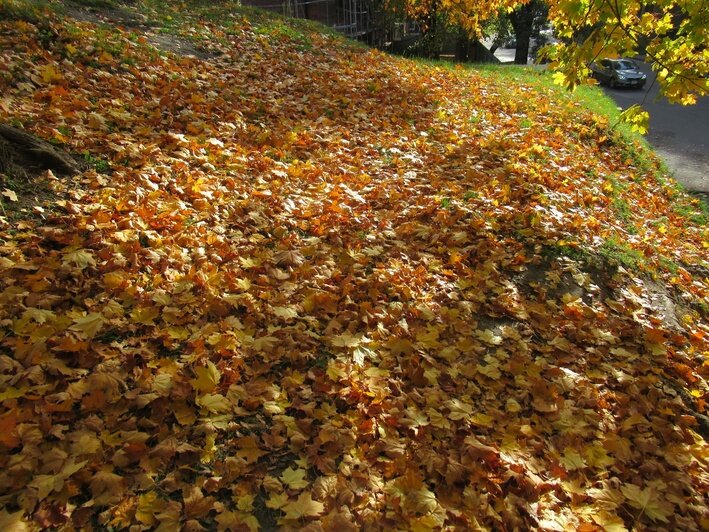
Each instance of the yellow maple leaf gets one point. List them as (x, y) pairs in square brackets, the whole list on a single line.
[(214, 403), (50, 74), (648, 501), (482, 420), (144, 315), (286, 313), (178, 333), (264, 342), (490, 370), (458, 409), (294, 478), (79, 257), (277, 500), (572, 460), (596, 456), (114, 279), (162, 383), (304, 506), (209, 450), (14, 522), (207, 378), (422, 500), (148, 506), (249, 449), (489, 337), (89, 325), (610, 522), (346, 339)]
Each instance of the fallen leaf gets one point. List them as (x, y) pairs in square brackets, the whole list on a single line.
[(304, 506), (9, 194)]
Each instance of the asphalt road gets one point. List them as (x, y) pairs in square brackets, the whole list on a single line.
[(679, 134)]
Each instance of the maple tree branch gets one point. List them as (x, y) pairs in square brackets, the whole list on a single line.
[(634, 36)]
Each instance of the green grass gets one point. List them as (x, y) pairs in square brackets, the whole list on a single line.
[(620, 254), (29, 10), (625, 214), (696, 211), (232, 17), (100, 165), (96, 3)]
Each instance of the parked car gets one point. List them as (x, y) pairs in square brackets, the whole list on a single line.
[(618, 73)]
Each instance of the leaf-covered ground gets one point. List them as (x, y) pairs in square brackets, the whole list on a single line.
[(309, 285)]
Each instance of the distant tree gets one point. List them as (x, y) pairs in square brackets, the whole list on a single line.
[(498, 29), (526, 21)]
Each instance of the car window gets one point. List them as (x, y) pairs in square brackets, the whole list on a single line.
[(625, 65), (605, 63)]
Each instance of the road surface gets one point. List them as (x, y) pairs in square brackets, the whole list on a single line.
[(679, 134)]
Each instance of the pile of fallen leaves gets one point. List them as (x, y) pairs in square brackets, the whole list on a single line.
[(308, 285)]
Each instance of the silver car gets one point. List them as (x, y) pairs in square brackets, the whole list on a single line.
[(618, 73)]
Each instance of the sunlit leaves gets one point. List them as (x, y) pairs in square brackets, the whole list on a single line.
[(89, 325), (323, 286), (572, 460), (303, 506), (637, 118), (647, 501), (207, 378), (80, 258), (213, 402), (294, 478)]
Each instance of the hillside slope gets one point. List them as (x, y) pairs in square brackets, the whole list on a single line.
[(303, 284)]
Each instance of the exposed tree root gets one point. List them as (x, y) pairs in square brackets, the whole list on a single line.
[(23, 154)]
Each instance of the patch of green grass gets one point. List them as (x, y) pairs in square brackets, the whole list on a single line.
[(576, 253), (96, 3), (623, 211), (28, 10), (101, 165), (233, 17), (617, 184), (620, 254), (668, 264), (285, 32), (696, 211)]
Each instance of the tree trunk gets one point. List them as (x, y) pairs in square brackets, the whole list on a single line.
[(462, 47), (522, 20), (522, 49)]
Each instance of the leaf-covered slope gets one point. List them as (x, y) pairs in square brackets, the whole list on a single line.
[(311, 284)]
